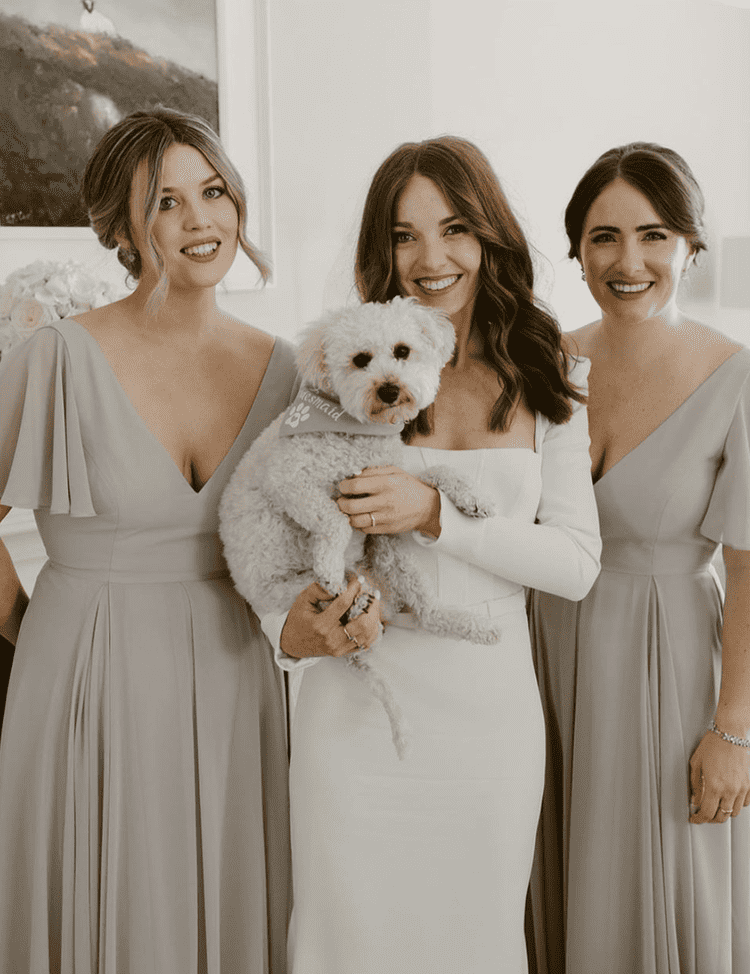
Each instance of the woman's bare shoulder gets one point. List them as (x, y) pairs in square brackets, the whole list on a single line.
[(98, 318), (246, 340), (579, 342), (243, 348), (707, 343)]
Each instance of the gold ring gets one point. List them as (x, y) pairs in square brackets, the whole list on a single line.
[(372, 518), (349, 636)]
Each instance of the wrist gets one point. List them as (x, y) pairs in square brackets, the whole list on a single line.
[(280, 633), (733, 720), (739, 740), (287, 650), (431, 525)]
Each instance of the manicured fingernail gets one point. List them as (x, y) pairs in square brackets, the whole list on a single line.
[(377, 593), (361, 579)]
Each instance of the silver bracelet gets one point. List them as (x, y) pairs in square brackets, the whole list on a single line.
[(731, 738)]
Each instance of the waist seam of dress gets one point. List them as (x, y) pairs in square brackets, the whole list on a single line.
[(137, 577), (654, 574)]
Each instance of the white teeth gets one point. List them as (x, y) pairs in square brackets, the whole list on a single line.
[(629, 288), (202, 249), (439, 285)]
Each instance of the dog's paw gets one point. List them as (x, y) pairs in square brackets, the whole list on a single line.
[(478, 507), (457, 490)]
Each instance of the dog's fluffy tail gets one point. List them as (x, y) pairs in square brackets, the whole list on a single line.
[(400, 730)]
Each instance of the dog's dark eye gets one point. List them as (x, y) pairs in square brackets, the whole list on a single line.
[(401, 351), (362, 360)]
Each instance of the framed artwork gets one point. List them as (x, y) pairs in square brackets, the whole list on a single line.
[(70, 69)]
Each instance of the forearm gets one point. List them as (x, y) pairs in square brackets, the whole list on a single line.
[(560, 559), (13, 599), (733, 711)]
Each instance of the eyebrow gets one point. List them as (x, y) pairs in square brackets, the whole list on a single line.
[(205, 182), (405, 223), (640, 229)]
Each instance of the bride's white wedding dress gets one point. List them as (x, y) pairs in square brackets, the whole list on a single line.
[(421, 866)]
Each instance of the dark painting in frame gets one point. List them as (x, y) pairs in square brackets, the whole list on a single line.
[(67, 83)]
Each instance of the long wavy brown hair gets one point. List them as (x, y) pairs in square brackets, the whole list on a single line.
[(522, 339)]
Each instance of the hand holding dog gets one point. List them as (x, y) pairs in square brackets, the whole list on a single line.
[(310, 632), (387, 500)]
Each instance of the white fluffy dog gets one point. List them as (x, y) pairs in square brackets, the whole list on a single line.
[(365, 371)]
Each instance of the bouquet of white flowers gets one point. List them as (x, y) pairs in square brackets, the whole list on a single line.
[(46, 291)]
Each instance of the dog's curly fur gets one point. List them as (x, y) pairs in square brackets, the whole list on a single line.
[(279, 521)]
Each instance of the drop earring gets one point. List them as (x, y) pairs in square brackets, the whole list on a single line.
[(583, 274)]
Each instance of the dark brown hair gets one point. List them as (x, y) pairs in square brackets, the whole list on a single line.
[(522, 340), (661, 174), (108, 183)]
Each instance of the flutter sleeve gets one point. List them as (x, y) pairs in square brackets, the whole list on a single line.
[(42, 458), (727, 519), (558, 553)]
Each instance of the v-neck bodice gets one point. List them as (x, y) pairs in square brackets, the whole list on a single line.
[(658, 505), (704, 387), (119, 392), (149, 520)]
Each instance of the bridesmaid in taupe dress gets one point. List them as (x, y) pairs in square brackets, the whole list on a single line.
[(647, 696), (143, 761)]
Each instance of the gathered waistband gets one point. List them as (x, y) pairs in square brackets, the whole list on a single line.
[(633, 558), (142, 577)]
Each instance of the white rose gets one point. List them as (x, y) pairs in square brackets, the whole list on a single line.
[(84, 289), (28, 314), (35, 273)]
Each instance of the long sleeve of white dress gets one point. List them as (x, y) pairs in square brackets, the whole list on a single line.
[(559, 552)]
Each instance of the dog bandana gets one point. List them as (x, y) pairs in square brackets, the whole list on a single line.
[(315, 412)]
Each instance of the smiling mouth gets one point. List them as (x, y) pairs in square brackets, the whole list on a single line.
[(619, 288), (439, 284), (201, 250)]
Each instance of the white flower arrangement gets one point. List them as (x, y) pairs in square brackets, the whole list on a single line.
[(46, 291)]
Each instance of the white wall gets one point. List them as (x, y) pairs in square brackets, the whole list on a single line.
[(350, 80), (549, 86), (542, 87)]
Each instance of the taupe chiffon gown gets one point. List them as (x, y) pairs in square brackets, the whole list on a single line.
[(143, 771), (629, 678)]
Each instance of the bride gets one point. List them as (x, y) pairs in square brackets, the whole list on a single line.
[(422, 866)]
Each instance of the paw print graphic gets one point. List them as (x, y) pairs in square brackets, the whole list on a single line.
[(297, 414)]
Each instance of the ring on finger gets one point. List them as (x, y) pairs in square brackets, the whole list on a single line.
[(353, 640), (727, 811), (372, 518)]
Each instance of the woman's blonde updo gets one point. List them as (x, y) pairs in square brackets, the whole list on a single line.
[(143, 138)]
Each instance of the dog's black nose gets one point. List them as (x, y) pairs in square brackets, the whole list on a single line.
[(388, 392)]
